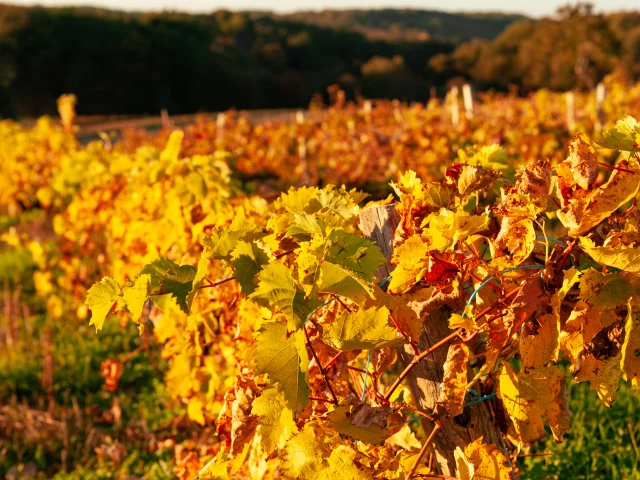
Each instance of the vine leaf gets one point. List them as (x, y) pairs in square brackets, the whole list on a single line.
[(275, 419), (157, 270), (221, 243), (631, 347), (286, 362), (606, 291), (182, 282), (584, 210), (359, 421), (348, 265), (539, 341), (341, 464), (624, 258), (362, 330), (581, 166), (101, 298), (447, 228), (514, 243), (404, 438), (412, 262), (280, 291), (248, 260), (136, 295), (454, 382), (305, 454), (529, 396), (603, 376), (624, 135), (217, 468), (481, 461)]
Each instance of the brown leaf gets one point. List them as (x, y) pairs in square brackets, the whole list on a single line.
[(454, 382), (581, 166)]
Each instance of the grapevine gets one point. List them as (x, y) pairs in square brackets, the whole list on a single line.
[(314, 292)]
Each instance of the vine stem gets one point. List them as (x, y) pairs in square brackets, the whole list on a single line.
[(423, 450), (545, 454), (417, 359), (333, 361), (322, 370), (611, 167)]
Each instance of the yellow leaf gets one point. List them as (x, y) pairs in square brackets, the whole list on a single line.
[(412, 263), (404, 438), (624, 258), (341, 464), (539, 341), (585, 213), (603, 376), (480, 461), (275, 423), (359, 421), (529, 396), (195, 410), (305, 454), (447, 228), (514, 243), (631, 347), (362, 330)]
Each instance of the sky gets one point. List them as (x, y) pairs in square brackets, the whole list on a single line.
[(536, 8)]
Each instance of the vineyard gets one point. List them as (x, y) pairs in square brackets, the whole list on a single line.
[(388, 292)]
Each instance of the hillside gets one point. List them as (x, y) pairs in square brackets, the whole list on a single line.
[(409, 24), (573, 49), (139, 63)]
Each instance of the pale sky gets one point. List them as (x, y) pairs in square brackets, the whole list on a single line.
[(535, 8)]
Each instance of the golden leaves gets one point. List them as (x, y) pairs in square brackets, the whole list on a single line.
[(531, 395), (481, 461)]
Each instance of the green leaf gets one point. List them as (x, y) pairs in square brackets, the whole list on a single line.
[(248, 260), (286, 362), (178, 282), (345, 265), (362, 330), (136, 295), (156, 270), (100, 298), (278, 288)]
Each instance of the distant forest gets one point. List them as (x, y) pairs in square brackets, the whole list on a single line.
[(140, 63)]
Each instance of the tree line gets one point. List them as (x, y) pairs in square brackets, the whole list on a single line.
[(140, 63)]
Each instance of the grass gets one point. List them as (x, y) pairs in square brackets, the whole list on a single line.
[(601, 445)]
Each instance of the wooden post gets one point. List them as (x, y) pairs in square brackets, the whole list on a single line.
[(455, 108), (468, 101), (164, 118), (571, 111), (221, 120), (379, 225), (601, 93)]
